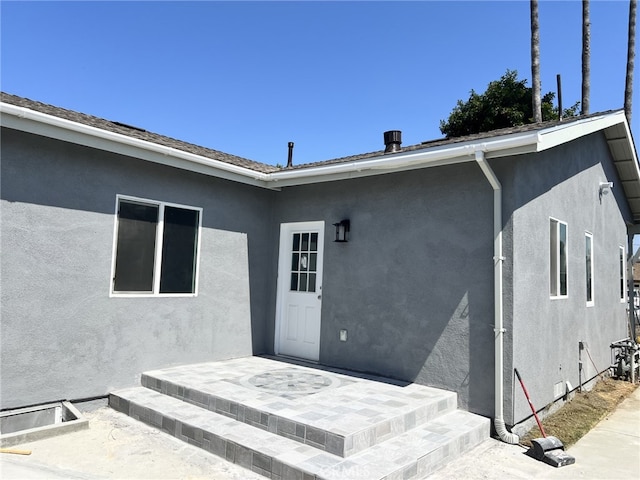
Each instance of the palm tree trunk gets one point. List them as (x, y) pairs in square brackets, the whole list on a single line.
[(535, 63), (631, 55), (586, 57)]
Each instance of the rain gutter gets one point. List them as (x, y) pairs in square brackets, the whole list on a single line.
[(55, 127), (32, 121), (408, 160)]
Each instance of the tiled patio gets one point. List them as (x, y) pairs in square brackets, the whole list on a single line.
[(289, 421)]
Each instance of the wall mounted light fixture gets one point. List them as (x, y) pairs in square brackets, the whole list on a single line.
[(604, 189), (342, 230)]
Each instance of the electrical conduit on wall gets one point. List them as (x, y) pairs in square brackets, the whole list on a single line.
[(499, 330)]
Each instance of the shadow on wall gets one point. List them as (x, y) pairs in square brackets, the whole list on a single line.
[(414, 285), (527, 177), (47, 172)]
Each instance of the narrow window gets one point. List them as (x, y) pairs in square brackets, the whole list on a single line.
[(156, 248), (558, 258), (588, 258), (623, 275)]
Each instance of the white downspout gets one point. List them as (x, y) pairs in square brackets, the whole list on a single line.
[(499, 330)]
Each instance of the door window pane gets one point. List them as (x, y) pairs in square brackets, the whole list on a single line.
[(303, 282), (303, 261)]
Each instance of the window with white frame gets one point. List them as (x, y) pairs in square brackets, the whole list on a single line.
[(558, 258), (588, 259), (156, 248), (623, 274)]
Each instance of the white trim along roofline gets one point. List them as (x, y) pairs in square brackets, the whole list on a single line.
[(24, 119)]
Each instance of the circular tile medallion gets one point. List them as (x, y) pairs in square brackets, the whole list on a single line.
[(289, 380)]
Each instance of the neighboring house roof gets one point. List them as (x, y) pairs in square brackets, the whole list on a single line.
[(35, 117)]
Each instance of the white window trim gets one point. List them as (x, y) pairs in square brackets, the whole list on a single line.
[(557, 246), (591, 303), (622, 260), (158, 253)]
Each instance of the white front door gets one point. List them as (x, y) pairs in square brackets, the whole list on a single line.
[(299, 290)]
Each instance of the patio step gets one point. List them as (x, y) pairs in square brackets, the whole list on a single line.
[(341, 416), (414, 453)]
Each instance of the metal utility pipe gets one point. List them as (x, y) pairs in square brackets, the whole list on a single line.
[(580, 348), (290, 156), (499, 330), (559, 82)]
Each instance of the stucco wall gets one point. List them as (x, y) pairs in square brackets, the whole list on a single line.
[(62, 335), (413, 287), (563, 184)]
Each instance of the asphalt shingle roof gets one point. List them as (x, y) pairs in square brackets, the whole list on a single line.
[(134, 132), (141, 134)]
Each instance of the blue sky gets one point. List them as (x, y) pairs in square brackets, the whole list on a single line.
[(248, 77)]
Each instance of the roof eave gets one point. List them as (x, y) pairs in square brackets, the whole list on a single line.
[(31, 121), (565, 132), (410, 160), (613, 124)]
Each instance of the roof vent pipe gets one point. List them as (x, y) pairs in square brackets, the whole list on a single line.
[(290, 157), (559, 81), (392, 141)]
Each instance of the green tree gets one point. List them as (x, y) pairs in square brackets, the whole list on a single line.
[(507, 102)]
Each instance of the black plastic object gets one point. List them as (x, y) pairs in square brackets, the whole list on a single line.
[(550, 450)]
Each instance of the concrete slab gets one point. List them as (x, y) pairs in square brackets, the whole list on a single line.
[(116, 446), (610, 450)]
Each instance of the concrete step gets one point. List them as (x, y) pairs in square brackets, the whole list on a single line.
[(330, 411), (413, 454)]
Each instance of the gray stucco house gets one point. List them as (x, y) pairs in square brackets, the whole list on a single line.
[(124, 251)]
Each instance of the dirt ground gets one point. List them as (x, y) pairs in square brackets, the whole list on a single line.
[(583, 412)]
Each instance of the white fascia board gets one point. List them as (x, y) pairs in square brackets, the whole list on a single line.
[(559, 134), (30, 121), (493, 147), (427, 157)]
